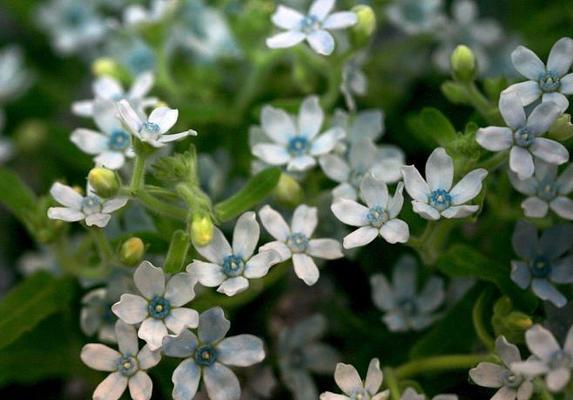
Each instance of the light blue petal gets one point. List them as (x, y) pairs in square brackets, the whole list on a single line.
[(221, 383), (180, 346), (186, 380), (556, 240), (241, 350), (213, 325)]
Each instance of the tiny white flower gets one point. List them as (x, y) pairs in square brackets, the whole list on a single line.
[(415, 17), (348, 379), (128, 366), (160, 308), (367, 124), (378, 217), (153, 130), (111, 145), (296, 144), (551, 82), (549, 359), (511, 386), (136, 14), (296, 241), (230, 268), (523, 135), (108, 88), (545, 190), (435, 198), (91, 208), (313, 27)]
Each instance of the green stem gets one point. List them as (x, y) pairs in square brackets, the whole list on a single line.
[(392, 383), (103, 245), (479, 323), (138, 177), (65, 260), (429, 244), (494, 161), (481, 104), (440, 363), (541, 390), (159, 207)]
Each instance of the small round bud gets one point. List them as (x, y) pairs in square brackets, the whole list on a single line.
[(463, 63), (106, 66), (201, 229), (288, 190), (363, 30), (562, 129), (131, 252), (104, 182)]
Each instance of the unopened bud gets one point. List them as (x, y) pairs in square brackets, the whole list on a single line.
[(201, 229), (463, 63), (288, 190), (562, 129), (131, 252), (363, 30), (105, 66), (104, 182)]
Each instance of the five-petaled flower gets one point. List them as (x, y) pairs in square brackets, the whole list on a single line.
[(313, 27), (435, 197), (348, 379), (160, 308), (208, 355), (296, 241)]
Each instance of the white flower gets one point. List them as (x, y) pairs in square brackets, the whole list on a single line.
[(14, 78), (160, 310), (367, 124), (153, 130), (91, 208), (378, 217), (230, 268), (511, 385), (296, 144), (208, 356), (313, 27), (136, 14), (415, 16), (295, 241), (436, 198), (351, 384), (522, 135), (405, 308), (550, 360), (551, 82), (545, 190), (108, 88), (111, 144), (128, 366)]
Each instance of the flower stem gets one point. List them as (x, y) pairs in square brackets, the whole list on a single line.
[(494, 161), (481, 104), (479, 324), (138, 177), (392, 383), (104, 248), (160, 207), (440, 363)]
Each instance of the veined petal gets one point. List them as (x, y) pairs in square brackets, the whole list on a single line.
[(494, 138), (561, 57), (181, 318), (304, 220), (271, 153), (305, 268), (180, 346), (147, 358), (469, 187), (186, 379), (511, 109), (89, 141), (439, 170), (340, 20), (360, 237), (221, 382), (130, 308), (350, 212), (164, 117), (213, 325), (287, 18), (326, 142), (550, 151), (415, 185), (328, 249), (527, 91), (395, 231), (347, 378), (66, 196), (277, 124), (149, 280), (274, 223), (208, 274), (322, 42), (246, 235), (140, 386), (321, 8), (111, 388), (285, 39), (310, 117), (217, 249), (100, 357), (521, 162), (126, 338), (527, 63), (152, 331), (425, 211), (241, 350)]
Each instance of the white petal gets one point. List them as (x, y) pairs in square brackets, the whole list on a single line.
[(112, 205), (469, 187), (208, 274), (287, 18), (129, 117), (279, 247), (152, 331), (213, 325), (271, 153), (512, 111), (176, 136), (147, 358), (527, 91), (83, 108), (221, 383), (382, 292), (107, 88), (360, 237), (149, 279), (550, 151), (142, 85), (431, 296), (66, 196), (126, 338), (131, 308), (521, 162), (259, 265), (532, 367), (557, 98), (321, 8), (110, 159), (328, 249), (111, 388), (89, 141), (326, 142), (322, 42), (487, 374), (305, 268), (164, 117), (459, 211), (567, 84), (397, 201), (300, 164), (425, 211), (65, 214), (347, 378), (232, 286), (340, 20), (374, 376), (415, 185), (310, 117), (181, 318), (494, 138), (527, 63), (350, 212), (404, 277), (274, 223), (285, 39), (246, 235), (561, 57), (439, 170), (241, 350), (565, 181), (563, 206), (520, 274), (217, 249), (277, 124), (304, 220), (546, 291), (180, 346), (140, 386), (509, 353), (180, 289), (100, 220), (334, 167), (557, 379), (100, 357), (186, 379), (534, 207), (395, 231), (542, 117), (541, 342), (374, 191)]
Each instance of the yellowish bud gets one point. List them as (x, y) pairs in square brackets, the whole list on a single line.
[(132, 251), (366, 25), (201, 229), (104, 182), (288, 190), (463, 63)]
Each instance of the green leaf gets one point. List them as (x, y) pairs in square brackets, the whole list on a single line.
[(255, 191), (177, 252), (463, 261), (433, 128), (17, 196), (30, 302)]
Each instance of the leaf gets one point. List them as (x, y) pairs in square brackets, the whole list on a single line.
[(177, 252), (17, 196), (254, 191), (33, 300), (433, 128), (463, 261)]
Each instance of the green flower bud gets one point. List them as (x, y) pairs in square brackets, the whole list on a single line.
[(104, 182), (288, 190), (463, 63), (106, 66), (562, 129), (201, 229), (363, 30), (131, 252), (510, 322)]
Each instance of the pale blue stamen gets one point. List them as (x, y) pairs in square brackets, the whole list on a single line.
[(408, 307), (360, 394), (540, 267), (298, 145), (547, 190), (377, 216), (91, 205), (127, 365), (151, 127), (233, 265), (550, 82), (309, 24), (206, 355), (511, 380), (523, 137), (118, 140), (440, 199), (159, 307), (297, 242)]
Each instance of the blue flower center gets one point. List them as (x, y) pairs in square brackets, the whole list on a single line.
[(360, 394), (547, 190), (141, 60), (118, 140), (159, 307), (206, 355), (91, 205), (377, 216), (540, 267), (523, 137), (297, 359), (309, 24), (550, 82), (408, 306), (356, 177), (510, 379), (561, 359), (233, 265), (298, 145), (127, 365), (297, 242), (151, 127), (440, 199)]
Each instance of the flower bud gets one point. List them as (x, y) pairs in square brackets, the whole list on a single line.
[(106, 66), (104, 182), (509, 322), (288, 190), (131, 252), (363, 30), (201, 229), (463, 64), (562, 129)]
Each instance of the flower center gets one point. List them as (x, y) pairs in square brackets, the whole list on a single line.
[(205, 355), (360, 394), (549, 82), (408, 306), (233, 265), (127, 365), (440, 199), (561, 359), (151, 127), (547, 190), (297, 242), (297, 359), (297, 145), (118, 140), (356, 177), (377, 216), (511, 380), (523, 137), (159, 307), (91, 205), (309, 24), (540, 267), (75, 16)]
